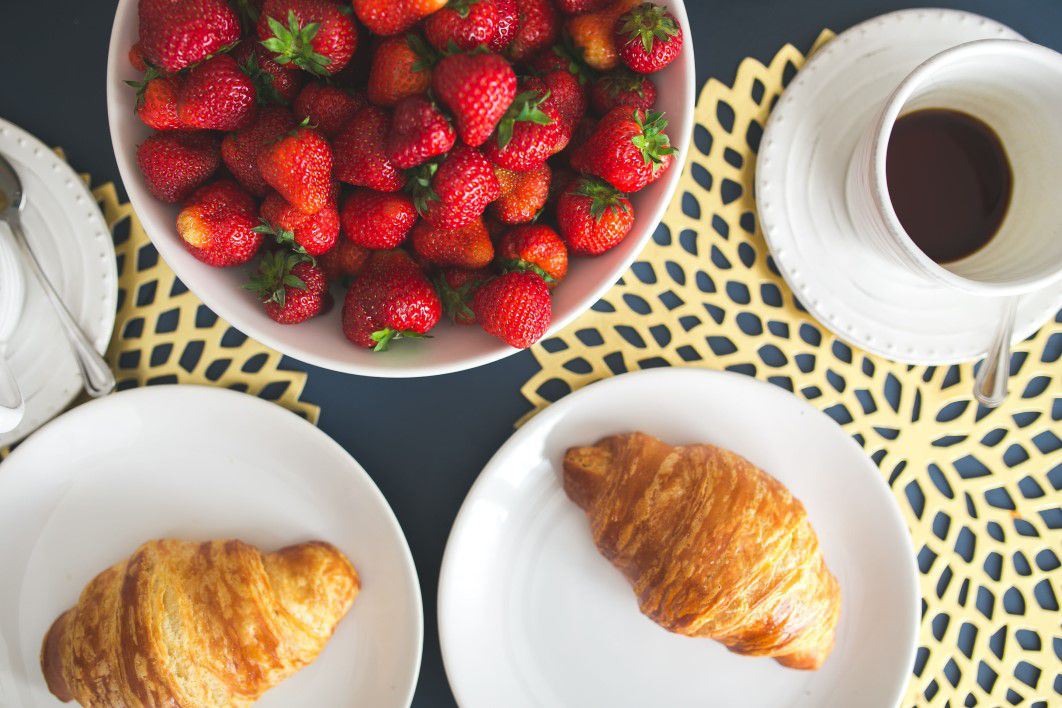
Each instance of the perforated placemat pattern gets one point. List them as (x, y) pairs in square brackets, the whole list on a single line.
[(979, 489)]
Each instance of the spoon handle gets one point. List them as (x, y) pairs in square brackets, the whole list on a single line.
[(11, 403), (97, 376), (990, 385)]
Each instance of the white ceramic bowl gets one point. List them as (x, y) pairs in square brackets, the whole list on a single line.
[(320, 341)]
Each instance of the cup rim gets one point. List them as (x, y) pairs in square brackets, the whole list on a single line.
[(880, 145)]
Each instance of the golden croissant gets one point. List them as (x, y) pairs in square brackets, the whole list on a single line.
[(197, 624), (713, 546)]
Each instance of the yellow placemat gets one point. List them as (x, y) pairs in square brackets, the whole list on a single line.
[(975, 486)]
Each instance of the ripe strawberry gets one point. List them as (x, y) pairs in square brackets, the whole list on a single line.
[(273, 83), (345, 260), (359, 152), (401, 67), (456, 288), (557, 57), (465, 24), (539, 28), (174, 34), (315, 35), (649, 37), (299, 166), (378, 220), (566, 94), (515, 308), (535, 248), (453, 193), (528, 134), (391, 299), (419, 132), (217, 224), (574, 7), (468, 246), (312, 234), (593, 216), (523, 194), (176, 162), (216, 95), (292, 288), (593, 34), (477, 88), (136, 58), (156, 100), (240, 149), (622, 87), (326, 107), (507, 25), (629, 149), (387, 17)]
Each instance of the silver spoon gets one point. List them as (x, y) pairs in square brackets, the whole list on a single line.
[(990, 385), (97, 376)]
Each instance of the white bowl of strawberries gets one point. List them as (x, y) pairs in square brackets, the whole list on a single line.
[(397, 188)]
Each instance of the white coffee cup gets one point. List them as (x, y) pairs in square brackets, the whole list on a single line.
[(1015, 87)]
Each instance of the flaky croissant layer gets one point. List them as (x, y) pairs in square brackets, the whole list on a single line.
[(713, 546), (197, 624)]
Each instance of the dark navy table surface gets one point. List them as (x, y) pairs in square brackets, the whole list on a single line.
[(422, 440)]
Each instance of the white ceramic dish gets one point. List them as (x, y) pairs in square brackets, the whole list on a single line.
[(530, 614), (320, 342), (199, 464), (800, 185), (71, 239)]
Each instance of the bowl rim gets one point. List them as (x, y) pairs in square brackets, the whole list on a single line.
[(194, 277)]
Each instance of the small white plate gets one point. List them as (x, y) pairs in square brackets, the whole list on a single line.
[(70, 237), (800, 190), (198, 464), (530, 614)]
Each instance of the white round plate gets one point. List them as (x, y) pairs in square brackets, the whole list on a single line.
[(199, 464), (800, 191), (530, 614), (67, 232)]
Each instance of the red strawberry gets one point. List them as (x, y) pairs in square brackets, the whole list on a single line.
[(377, 220), (273, 83), (515, 308), (629, 149), (649, 37), (593, 34), (326, 107), (539, 28), (292, 288), (454, 193), (529, 132), (136, 58), (419, 132), (456, 288), (465, 24), (622, 87), (401, 67), (466, 247), (312, 234), (523, 194), (574, 7), (345, 260), (174, 163), (477, 88), (593, 216), (566, 94), (217, 224), (156, 100), (216, 95), (507, 25), (535, 248), (391, 299), (174, 34), (387, 17), (316, 35), (240, 149), (299, 166), (360, 158)]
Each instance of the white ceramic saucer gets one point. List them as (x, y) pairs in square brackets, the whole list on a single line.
[(199, 464), (800, 192), (530, 614), (70, 237)]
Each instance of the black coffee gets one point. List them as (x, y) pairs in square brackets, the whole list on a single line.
[(949, 180)]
